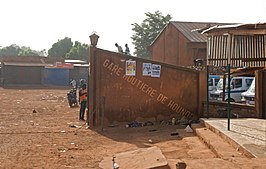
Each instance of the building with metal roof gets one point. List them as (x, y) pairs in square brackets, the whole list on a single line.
[(37, 70), (181, 43)]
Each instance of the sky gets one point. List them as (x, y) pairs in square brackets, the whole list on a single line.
[(39, 24)]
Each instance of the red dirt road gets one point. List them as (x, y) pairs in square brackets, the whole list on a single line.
[(46, 138)]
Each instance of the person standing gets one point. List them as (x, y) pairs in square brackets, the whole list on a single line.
[(127, 51), (82, 101), (119, 48)]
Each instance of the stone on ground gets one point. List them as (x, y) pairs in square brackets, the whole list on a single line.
[(146, 158)]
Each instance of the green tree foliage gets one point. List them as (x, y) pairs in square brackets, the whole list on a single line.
[(78, 51), (60, 48), (12, 50), (65, 48), (146, 33), (26, 51), (15, 50)]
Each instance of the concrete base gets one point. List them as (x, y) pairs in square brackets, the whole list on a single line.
[(247, 135), (145, 158)]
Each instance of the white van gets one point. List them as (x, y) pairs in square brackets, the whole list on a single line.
[(237, 85), (212, 82), (249, 96)]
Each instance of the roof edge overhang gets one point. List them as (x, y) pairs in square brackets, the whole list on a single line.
[(237, 29), (25, 64)]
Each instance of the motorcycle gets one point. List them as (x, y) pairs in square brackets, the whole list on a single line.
[(72, 98)]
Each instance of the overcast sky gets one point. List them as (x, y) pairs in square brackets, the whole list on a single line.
[(38, 24)]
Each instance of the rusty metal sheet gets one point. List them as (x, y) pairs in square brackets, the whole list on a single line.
[(174, 93)]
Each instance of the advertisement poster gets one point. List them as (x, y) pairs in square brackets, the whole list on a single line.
[(130, 68), (155, 70), (146, 69)]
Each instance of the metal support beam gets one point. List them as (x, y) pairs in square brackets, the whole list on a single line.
[(229, 98), (207, 104)]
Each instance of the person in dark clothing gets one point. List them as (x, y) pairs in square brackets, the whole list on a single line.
[(119, 48), (82, 101), (127, 51)]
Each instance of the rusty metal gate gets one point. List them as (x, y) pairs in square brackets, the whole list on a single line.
[(123, 88)]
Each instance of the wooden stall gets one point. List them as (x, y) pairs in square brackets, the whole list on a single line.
[(240, 46)]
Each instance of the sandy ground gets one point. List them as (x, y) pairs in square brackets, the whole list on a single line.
[(52, 137)]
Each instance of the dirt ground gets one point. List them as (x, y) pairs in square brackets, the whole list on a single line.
[(39, 130)]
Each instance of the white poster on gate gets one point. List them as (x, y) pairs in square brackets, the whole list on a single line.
[(130, 68), (155, 70), (146, 69)]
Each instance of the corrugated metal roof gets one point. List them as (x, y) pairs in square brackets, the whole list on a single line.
[(74, 61), (26, 64), (235, 26), (31, 59), (191, 29), (81, 65)]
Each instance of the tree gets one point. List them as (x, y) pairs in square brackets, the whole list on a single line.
[(60, 48), (12, 50), (26, 51), (65, 48), (78, 51), (146, 33), (15, 50)]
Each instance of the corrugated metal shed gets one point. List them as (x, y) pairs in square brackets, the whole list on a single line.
[(21, 74), (55, 76)]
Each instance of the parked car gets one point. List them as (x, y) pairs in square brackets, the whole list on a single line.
[(237, 86), (249, 96)]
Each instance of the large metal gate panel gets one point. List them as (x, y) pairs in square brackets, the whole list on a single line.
[(174, 93)]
